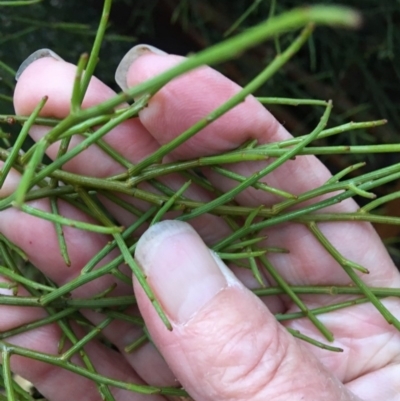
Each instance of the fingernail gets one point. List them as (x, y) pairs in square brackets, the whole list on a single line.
[(35, 56), (132, 55), (182, 272)]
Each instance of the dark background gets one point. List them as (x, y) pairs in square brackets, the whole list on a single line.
[(358, 70)]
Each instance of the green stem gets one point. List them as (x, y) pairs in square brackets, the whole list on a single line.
[(168, 168), (297, 334), (14, 248), (77, 87), (29, 174), (330, 150), (7, 376), (254, 268), (323, 309), (379, 202), (332, 290), (60, 232), (54, 317), (291, 101), (67, 355), (164, 209), (337, 177), (348, 268), (138, 321), (334, 252), (297, 301), (8, 69), (258, 185), (357, 216), (19, 2), (94, 54), (69, 222), (13, 275), (244, 244), (328, 132), (242, 18), (241, 255), (136, 344), (13, 119)]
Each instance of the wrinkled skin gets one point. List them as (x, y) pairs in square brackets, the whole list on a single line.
[(232, 348)]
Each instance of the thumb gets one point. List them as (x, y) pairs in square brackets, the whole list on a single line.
[(225, 344)]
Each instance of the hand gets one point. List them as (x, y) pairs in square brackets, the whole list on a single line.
[(225, 343)]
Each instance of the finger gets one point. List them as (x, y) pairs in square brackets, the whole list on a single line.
[(37, 238), (191, 97), (225, 344)]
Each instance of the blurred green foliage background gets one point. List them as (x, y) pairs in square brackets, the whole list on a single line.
[(358, 70)]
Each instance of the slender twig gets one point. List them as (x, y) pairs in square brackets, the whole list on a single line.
[(7, 376), (348, 267), (96, 377), (296, 300), (19, 2)]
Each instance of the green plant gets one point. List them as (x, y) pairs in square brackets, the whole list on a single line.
[(43, 179)]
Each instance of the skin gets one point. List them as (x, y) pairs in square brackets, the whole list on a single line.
[(231, 348)]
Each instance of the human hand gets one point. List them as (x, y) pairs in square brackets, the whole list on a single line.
[(225, 343)]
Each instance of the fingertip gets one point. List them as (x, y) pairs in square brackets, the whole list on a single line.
[(33, 84), (38, 54), (53, 78), (127, 61), (183, 273)]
